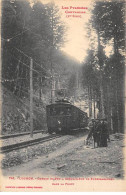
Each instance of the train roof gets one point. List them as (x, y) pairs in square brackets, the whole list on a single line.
[(63, 104), (60, 102)]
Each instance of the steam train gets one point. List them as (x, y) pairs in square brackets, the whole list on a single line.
[(63, 117)]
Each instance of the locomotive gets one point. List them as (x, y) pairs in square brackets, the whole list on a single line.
[(64, 117)]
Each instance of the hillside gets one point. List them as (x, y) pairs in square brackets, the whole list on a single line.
[(15, 114)]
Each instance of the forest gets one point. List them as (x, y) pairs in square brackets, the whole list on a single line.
[(102, 74), (36, 31)]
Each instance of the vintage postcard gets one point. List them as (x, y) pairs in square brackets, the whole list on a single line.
[(62, 95)]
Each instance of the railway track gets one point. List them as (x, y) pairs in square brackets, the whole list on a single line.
[(17, 146), (20, 134)]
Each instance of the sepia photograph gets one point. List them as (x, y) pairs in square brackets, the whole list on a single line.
[(62, 95)]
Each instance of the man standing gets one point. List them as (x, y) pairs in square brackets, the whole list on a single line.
[(92, 132), (97, 132), (104, 133)]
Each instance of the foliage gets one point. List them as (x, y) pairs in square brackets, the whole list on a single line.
[(28, 29), (107, 73)]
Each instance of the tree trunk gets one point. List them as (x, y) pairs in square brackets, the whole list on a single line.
[(102, 112), (94, 107), (116, 52), (90, 102), (100, 59), (40, 90), (117, 110), (109, 108)]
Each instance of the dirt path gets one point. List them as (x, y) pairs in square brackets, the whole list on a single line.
[(75, 159)]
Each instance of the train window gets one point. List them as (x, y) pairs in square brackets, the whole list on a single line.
[(68, 111), (52, 111), (64, 111), (84, 119), (60, 111)]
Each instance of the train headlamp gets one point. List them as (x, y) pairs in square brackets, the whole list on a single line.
[(59, 122)]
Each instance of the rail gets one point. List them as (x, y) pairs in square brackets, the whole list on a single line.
[(25, 144), (20, 134)]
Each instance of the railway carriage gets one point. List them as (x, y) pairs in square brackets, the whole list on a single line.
[(64, 117)]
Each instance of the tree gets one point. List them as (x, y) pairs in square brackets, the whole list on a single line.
[(15, 18), (109, 17), (108, 24), (55, 35), (29, 29), (91, 79)]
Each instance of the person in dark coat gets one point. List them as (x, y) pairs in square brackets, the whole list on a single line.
[(104, 133), (97, 132)]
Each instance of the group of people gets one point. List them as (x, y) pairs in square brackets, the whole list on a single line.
[(99, 131)]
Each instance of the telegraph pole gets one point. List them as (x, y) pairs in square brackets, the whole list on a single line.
[(58, 84), (94, 108), (53, 89), (31, 96)]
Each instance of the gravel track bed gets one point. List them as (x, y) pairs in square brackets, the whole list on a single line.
[(24, 155)]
